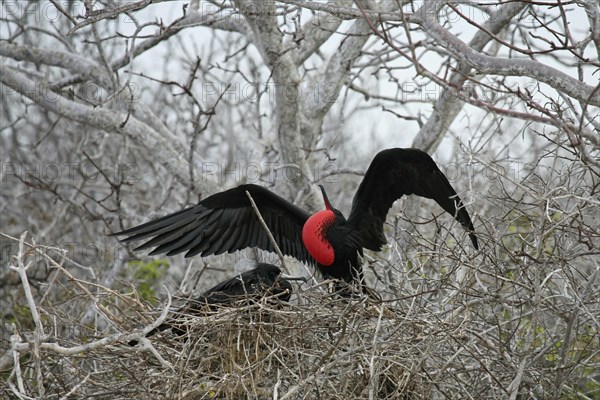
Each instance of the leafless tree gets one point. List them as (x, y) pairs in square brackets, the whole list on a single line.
[(114, 112)]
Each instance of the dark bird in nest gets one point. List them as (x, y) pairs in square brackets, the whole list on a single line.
[(264, 281), (226, 221)]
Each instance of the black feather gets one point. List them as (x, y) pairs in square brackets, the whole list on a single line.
[(263, 281), (392, 174), (203, 228)]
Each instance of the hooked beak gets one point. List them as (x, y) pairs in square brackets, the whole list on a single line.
[(325, 198)]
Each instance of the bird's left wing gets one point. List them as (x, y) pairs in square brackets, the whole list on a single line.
[(392, 174), (226, 222)]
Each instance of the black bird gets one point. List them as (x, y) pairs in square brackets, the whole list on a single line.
[(263, 281), (226, 222)]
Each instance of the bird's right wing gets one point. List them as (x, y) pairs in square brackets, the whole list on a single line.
[(226, 222), (392, 174)]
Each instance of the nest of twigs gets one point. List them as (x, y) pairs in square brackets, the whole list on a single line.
[(436, 341), (327, 347)]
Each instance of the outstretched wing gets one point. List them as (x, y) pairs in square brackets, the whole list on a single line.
[(392, 174), (226, 222)]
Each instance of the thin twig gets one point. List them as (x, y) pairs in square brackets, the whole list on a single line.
[(269, 234), (38, 335)]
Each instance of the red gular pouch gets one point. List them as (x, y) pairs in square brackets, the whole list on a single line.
[(314, 237)]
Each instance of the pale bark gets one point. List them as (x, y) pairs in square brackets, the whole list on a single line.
[(448, 106)]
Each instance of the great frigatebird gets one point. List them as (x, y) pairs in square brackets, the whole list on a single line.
[(266, 280), (226, 222)]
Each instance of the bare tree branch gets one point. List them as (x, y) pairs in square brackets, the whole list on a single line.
[(446, 110), (69, 61), (499, 66), (315, 32), (105, 119)]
